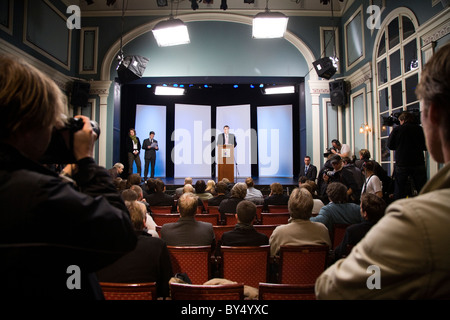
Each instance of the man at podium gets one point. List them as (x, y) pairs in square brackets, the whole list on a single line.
[(226, 137)]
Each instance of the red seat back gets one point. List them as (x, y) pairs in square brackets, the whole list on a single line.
[(194, 261)]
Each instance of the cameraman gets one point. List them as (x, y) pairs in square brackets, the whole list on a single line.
[(408, 141), (343, 175), (53, 236)]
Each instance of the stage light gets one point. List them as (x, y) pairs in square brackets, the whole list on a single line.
[(168, 91), (280, 90), (325, 67), (149, 86), (269, 25), (171, 32)]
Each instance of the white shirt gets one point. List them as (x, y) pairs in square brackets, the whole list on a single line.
[(373, 185)]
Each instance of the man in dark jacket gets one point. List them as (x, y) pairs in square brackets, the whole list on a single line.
[(408, 141), (54, 234), (244, 234)]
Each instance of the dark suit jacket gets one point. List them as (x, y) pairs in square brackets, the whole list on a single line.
[(311, 174), (216, 200), (231, 139), (353, 234), (228, 206), (244, 235), (159, 199), (148, 262), (188, 232), (130, 145), (149, 153)]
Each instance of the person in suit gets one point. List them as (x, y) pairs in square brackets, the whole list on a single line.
[(238, 193), (221, 189), (308, 170), (159, 197), (226, 137), (133, 149), (150, 146), (244, 234), (187, 231), (148, 262)]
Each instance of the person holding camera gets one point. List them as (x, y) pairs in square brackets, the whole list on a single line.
[(55, 238), (408, 141)]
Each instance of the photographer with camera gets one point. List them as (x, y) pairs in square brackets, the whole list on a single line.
[(53, 240), (408, 141)]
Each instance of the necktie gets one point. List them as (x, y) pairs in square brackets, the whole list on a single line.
[(306, 169)]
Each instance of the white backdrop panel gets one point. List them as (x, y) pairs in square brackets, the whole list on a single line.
[(237, 117), (275, 141), (152, 118), (192, 141)]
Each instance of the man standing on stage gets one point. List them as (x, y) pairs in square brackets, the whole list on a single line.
[(150, 146), (226, 137)]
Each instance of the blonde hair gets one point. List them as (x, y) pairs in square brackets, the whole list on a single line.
[(28, 98), (300, 204)]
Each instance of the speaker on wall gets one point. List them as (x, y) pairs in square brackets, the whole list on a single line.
[(324, 68), (80, 94), (131, 68), (338, 93)]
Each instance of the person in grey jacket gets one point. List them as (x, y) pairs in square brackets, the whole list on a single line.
[(405, 255), (187, 231)]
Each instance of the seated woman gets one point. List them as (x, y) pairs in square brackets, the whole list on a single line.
[(300, 231)]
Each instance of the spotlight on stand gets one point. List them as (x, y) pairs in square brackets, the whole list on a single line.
[(325, 67)]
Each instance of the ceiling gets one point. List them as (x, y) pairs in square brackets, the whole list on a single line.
[(150, 7)]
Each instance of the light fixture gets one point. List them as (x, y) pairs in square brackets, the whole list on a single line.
[(365, 128), (279, 90), (171, 32), (269, 25), (168, 91)]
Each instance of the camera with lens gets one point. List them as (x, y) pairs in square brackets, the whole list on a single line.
[(391, 120), (60, 149), (329, 172)]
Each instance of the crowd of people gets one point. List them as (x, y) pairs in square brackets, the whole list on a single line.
[(81, 218)]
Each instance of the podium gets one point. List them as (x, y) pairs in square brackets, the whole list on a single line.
[(225, 162)]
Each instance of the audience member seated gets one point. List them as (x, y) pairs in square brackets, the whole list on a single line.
[(372, 210), (373, 183), (300, 230), (187, 231), (211, 187), (116, 170), (253, 194), (244, 234), (357, 173), (130, 196), (159, 198), (318, 204), (148, 262), (141, 198), (238, 193), (221, 189), (179, 191), (276, 196), (338, 210), (200, 190)]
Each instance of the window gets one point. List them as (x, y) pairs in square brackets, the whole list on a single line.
[(397, 68)]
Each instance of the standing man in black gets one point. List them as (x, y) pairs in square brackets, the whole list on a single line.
[(150, 146), (226, 137), (308, 170), (133, 149), (408, 141)]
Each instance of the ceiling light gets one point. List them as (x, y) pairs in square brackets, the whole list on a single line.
[(268, 25), (168, 91), (171, 32), (279, 90)]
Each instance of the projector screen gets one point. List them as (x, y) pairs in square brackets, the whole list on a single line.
[(237, 117), (191, 154), (275, 141), (152, 118)]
